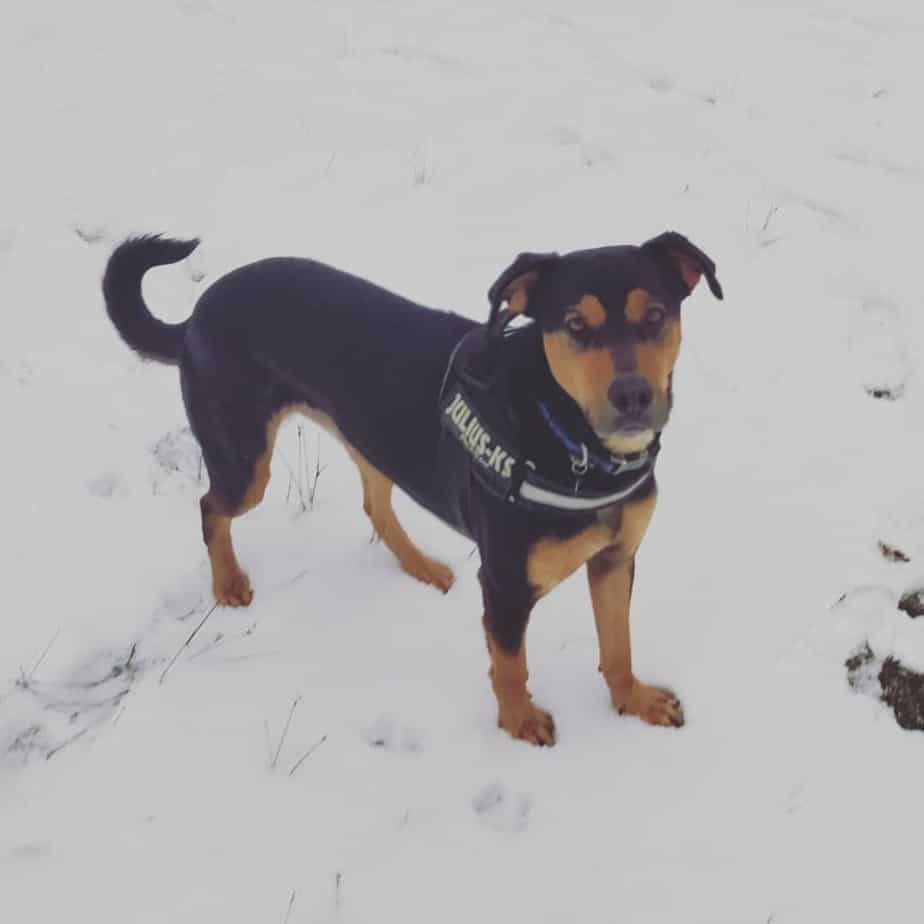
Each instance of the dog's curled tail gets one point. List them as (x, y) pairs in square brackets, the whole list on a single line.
[(125, 305)]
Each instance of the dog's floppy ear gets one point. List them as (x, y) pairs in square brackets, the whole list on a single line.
[(684, 259), (516, 282)]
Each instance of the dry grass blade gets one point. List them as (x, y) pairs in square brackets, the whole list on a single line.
[(289, 909), (307, 754), (285, 732), (192, 635), (44, 653)]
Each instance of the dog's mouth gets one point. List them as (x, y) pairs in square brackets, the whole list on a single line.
[(627, 435), (629, 426), (627, 443)]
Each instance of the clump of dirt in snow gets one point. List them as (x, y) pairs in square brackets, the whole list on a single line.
[(887, 679), (892, 553), (903, 690), (912, 603)]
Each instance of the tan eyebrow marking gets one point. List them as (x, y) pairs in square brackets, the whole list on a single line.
[(637, 302), (592, 311)]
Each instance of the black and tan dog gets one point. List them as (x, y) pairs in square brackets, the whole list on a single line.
[(563, 477)]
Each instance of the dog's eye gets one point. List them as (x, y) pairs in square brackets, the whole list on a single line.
[(654, 315), (575, 324)]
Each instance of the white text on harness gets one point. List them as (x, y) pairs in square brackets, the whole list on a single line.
[(476, 439)]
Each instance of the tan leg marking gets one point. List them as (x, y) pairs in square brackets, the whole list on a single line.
[(516, 712), (261, 469), (377, 504), (548, 563), (229, 583), (377, 490), (609, 573)]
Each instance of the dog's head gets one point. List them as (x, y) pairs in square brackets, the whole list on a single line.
[(610, 321)]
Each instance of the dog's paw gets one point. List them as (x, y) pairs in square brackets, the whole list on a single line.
[(651, 704), (528, 723), (440, 576), (233, 590), (431, 572)]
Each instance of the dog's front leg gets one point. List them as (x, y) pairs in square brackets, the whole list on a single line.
[(611, 573), (506, 614)]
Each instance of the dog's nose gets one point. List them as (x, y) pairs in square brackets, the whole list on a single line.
[(631, 395)]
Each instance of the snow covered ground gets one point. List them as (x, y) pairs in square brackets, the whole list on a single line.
[(423, 145)]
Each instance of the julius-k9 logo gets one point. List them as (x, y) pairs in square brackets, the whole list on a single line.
[(475, 438)]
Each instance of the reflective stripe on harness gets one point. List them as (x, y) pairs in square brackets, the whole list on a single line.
[(535, 494)]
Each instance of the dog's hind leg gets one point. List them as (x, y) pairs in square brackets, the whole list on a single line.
[(377, 490), (230, 584), (238, 483)]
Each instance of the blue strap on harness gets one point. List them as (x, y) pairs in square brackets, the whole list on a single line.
[(582, 457)]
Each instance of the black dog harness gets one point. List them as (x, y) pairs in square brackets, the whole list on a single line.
[(481, 433)]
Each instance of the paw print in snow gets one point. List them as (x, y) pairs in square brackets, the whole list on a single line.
[(106, 486), (877, 346), (179, 461), (387, 734), (500, 809)]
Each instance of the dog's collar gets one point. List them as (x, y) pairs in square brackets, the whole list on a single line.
[(476, 411)]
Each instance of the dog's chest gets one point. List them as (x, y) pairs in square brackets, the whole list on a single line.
[(551, 559)]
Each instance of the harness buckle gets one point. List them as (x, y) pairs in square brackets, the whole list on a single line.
[(580, 466)]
